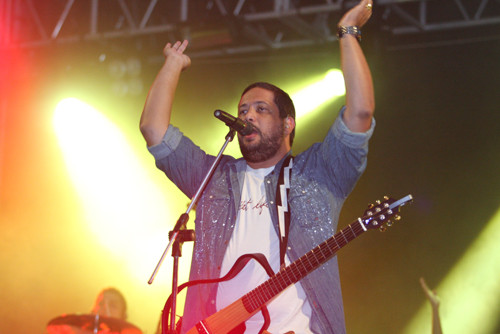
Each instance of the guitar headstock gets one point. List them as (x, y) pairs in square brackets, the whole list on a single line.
[(381, 214)]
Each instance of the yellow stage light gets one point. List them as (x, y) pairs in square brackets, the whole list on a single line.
[(126, 210)]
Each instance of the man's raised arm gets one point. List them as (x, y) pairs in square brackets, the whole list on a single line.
[(155, 116), (360, 100)]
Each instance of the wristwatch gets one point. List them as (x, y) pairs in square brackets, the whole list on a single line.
[(351, 30)]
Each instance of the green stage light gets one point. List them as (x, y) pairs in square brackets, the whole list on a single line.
[(470, 293), (309, 98)]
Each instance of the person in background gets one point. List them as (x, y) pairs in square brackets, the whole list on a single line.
[(108, 315), (433, 299), (110, 303)]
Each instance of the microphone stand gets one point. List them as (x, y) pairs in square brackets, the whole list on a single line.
[(179, 234)]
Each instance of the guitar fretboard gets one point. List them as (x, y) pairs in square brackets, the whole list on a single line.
[(301, 267)]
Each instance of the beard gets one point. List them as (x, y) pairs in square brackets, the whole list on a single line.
[(264, 149)]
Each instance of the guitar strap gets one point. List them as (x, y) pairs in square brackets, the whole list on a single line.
[(282, 190)]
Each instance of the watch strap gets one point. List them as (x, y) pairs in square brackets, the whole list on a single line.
[(349, 30)]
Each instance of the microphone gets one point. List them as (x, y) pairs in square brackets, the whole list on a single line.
[(237, 124)]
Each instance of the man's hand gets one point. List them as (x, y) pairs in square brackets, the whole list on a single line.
[(358, 15), (155, 117), (176, 53), (430, 294)]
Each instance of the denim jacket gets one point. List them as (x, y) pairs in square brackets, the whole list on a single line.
[(322, 177)]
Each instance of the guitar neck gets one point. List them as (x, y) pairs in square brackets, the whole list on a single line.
[(301, 267)]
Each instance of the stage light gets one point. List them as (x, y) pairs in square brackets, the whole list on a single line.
[(309, 98), (125, 208), (470, 293)]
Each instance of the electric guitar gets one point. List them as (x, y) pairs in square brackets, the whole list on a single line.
[(375, 217)]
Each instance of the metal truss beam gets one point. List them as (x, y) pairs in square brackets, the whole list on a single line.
[(222, 27)]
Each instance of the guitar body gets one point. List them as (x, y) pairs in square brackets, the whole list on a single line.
[(225, 320)]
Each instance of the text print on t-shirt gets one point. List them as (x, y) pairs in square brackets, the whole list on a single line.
[(249, 205)]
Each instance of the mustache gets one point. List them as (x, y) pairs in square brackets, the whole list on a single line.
[(256, 130)]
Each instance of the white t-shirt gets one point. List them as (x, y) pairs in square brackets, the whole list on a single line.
[(254, 233)]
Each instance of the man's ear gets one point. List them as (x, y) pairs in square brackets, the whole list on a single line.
[(289, 125)]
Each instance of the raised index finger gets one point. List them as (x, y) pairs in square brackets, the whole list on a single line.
[(183, 46)]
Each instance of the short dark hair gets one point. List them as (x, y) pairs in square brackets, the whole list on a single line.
[(282, 100)]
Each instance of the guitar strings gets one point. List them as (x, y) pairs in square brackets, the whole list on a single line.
[(300, 268)]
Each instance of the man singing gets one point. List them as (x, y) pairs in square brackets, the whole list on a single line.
[(237, 213)]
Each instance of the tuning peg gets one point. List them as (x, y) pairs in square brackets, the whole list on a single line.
[(382, 228), (377, 201), (370, 206), (386, 198), (397, 217), (389, 223)]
